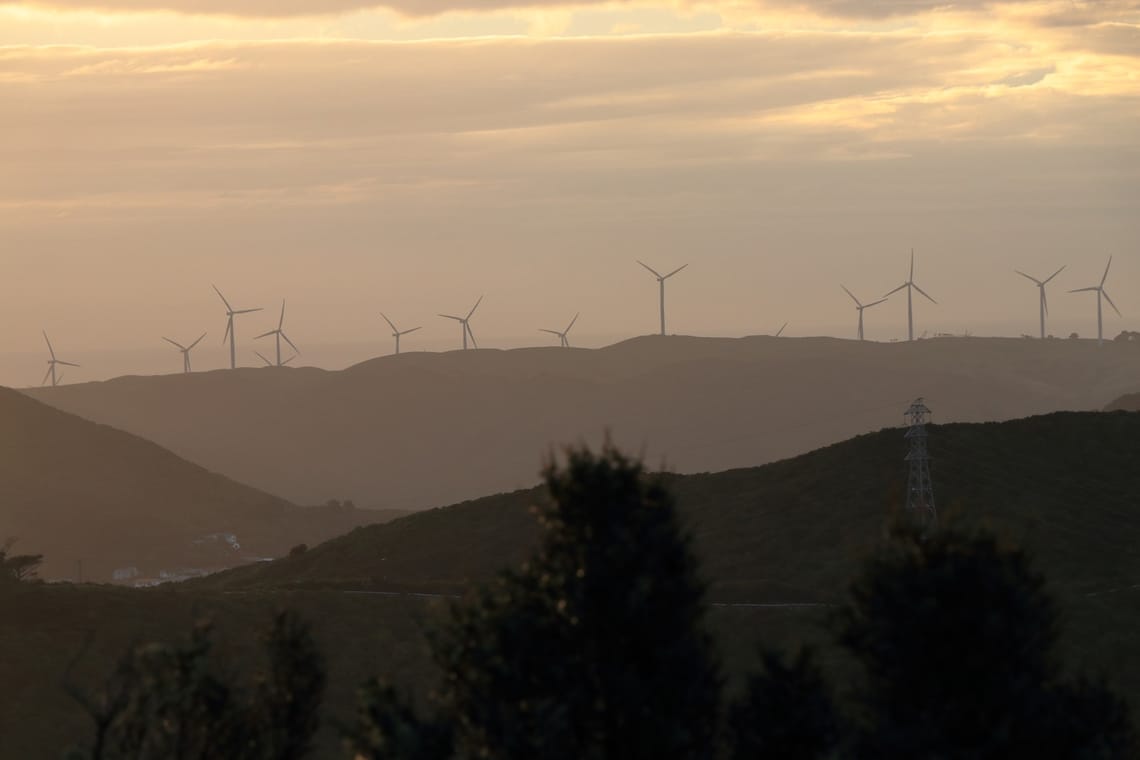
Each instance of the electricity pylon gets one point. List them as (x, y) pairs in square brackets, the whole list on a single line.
[(920, 488)]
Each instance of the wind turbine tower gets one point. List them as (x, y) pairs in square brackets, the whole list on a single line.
[(1044, 299), (465, 324), (910, 288), (279, 333), (396, 333), (661, 278), (230, 314), (563, 341), (185, 351), (52, 362), (1101, 295), (861, 307)]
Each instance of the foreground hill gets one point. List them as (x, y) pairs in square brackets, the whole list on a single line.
[(419, 430), (1064, 485), (79, 492)]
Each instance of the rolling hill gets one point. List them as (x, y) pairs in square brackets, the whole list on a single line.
[(1064, 485), (419, 430), (1129, 403), (80, 492)]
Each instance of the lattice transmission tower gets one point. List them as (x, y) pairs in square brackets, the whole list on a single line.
[(920, 487)]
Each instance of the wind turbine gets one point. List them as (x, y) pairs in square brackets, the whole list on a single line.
[(860, 306), (268, 363), (1101, 293), (910, 288), (563, 341), (51, 365), (1041, 287), (396, 333), (661, 281), (781, 330), (280, 334), (230, 314), (185, 351), (465, 324)]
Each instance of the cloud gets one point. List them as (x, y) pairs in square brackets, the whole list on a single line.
[(1081, 12)]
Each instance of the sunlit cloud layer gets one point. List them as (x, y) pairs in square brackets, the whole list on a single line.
[(759, 136)]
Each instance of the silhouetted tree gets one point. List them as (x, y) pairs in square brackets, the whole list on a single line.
[(596, 648), (171, 702), (18, 567), (388, 728), (786, 712), (956, 636)]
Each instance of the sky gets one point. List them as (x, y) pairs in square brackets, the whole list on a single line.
[(407, 157)]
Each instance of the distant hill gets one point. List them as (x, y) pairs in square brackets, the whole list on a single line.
[(79, 492), (1129, 403), (1064, 485), (420, 429)]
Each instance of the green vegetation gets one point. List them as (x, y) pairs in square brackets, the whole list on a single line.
[(597, 649), (1064, 486)]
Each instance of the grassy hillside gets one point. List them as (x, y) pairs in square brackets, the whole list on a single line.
[(1066, 485), (380, 432), (78, 492)]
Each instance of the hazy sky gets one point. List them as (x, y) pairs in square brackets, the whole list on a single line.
[(408, 157)]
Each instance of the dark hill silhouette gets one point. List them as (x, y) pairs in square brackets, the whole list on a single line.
[(1063, 485), (75, 490), (422, 429), (1129, 403)]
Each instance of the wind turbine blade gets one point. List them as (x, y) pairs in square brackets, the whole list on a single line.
[(912, 265), (1110, 303), (781, 330), (179, 346), (920, 290), (1050, 278), (229, 329), (291, 358), (1032, 279), (678, 269), (572, 321), (1104, 279), (1045, 301), (412, 330), (552, 332), (875, 303), (73, 364), (451, 316), (389, 322), (1085, 290), (247, 311), (896, 290), (227, 303), (291, 343), (203, 335), (471, 335), (46, 376), (651, 269), (281, 322), (269, 363), (50, 349), (265, 335), (853, 298), (476, 306)]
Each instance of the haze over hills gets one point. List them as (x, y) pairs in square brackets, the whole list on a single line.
[(78, 491), (1129, 403), (1064, 485), (419, 430)]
